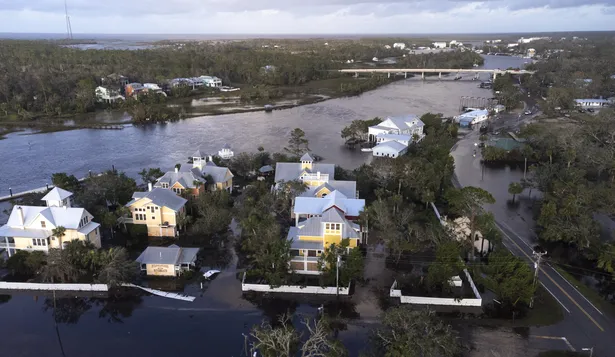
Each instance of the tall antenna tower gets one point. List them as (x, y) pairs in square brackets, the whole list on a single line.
[(69, 30)]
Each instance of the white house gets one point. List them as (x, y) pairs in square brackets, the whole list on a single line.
[(403, 139), (209, 81), (511, 45), (31, 228), (439, 44), (473, 117), (389, 149), (399, 45), (226, 152), (307, 207), (104, 94), (403, 125), (593, 103), (388, 47)]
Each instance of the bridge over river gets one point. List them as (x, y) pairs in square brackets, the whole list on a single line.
[(405, 71)]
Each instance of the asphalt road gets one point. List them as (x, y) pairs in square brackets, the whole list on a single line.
[(584, 325)]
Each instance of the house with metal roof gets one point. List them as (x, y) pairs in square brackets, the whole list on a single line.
[(226, 152), (182, 181), (306, 207), (312, 236), (593, 103), (306, 170), (159, 209), (203, 166), (389, 149), (409, 125), (167, 261), (31, 228), (473, 117)]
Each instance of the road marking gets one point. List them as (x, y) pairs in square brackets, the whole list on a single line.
[(574, 287), (555, 270), (555, 297), (556, 338), (556, 284)]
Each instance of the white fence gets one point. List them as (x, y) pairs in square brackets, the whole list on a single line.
[(424, 300), (50, 287), (294, 289)]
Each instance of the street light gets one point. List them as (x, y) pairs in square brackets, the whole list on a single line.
[(591, 351)]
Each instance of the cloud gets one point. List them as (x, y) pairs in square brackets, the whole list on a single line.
[(296, 7)]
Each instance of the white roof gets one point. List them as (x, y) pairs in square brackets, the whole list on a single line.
[(398, 137), (57, 194), (167, 255), (474, 114), (67, 217), (392, 147), (314, 205), (348, 188), (592, 101)]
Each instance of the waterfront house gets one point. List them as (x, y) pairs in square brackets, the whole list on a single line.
[(107, 94), (226, 152), (133, 89), (472, 117), (203, 166), (167, 261), (182, 181), (159, 209), (440, 45), (306, 207), (30, 228), (403, 125), (391, 149), (399, 45), (312, 236), (210, 81), (318, 178)]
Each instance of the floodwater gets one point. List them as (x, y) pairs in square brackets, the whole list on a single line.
[(214, 324), (28, 160)]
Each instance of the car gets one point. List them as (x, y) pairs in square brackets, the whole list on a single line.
[(528, 112), (590, 110), (208, 274)]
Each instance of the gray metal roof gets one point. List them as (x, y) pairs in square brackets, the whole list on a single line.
[(160, 255), (160, 197), (315, 226), (219, 174), (185, 178), (67, 217), (390, 147), (265, 169), (306, 157), (348, 188), (188, 255), (290, 171)]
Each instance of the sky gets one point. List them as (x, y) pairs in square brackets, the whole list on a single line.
[(306, 16)]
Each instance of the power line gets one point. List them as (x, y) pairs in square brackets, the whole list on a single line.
[(69, 30)]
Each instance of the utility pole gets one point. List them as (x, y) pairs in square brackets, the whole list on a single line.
[(538, 256), (337, 276)]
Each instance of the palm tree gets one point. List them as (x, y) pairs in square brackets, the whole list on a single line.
[(58, 268), (117, 268), (59, 232)]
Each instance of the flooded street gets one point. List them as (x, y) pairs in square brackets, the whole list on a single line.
[(213, 324)]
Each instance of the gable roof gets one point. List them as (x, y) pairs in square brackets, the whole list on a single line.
[(57, 194), (167, 255), (160, 197), (290, 171), (185, 178), (348, 188), (316, 206), (198, 153), (306, 157), (67, 217), (390, 147), (314, 226)]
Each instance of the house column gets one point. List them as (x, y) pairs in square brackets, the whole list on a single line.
[(297, 220), (8, 249), (305, 255), (440, 75), (423, 75), (405, 74), (389, 75), (495, 74)]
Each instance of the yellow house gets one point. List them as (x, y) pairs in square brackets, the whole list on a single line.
[(31, 227), (167, 261), (182, 181), (157, 208), (312, 236), (221, 177)]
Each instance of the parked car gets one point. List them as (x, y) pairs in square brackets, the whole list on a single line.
[(528, 112)]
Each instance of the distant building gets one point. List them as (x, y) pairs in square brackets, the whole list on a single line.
[(375, 59), (391, 149), (593, 103), (472, 117), (167, 261), (182, 182), (388, 47), (209, 81), (108, 95), (133, 89), (439, 44), (531, 52), (399, 45), (30, 228), (226, 152), (403, 125), (511, 45)]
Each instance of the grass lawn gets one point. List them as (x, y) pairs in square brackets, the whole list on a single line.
[(588, 292)]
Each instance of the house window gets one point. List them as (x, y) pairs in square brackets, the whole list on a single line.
[(153, 217), (333, 228), (151, 209), (140, 217), (39, 242), (156, 208), (165, 185), (43, 224), (177, 190)]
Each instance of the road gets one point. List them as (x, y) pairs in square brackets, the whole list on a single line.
[(584, 325)]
